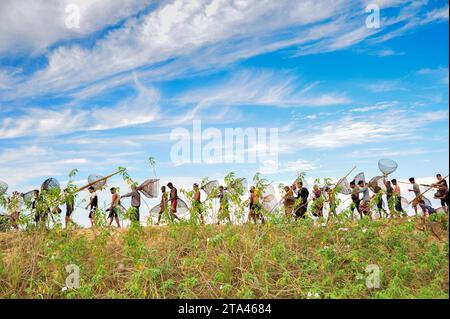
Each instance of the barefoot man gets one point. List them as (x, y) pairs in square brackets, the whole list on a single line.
[(255, 206), (69, 199), (114, 208), (417, 194), (224, 211), (163, 205), (288, 201), (93, 205), (196, 202), (173, 201)]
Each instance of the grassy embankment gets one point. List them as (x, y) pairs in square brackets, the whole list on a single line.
[(189, 261)]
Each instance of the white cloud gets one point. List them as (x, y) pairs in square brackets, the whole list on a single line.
[(352, 131), (203, 33), (270, 167), (34, 25), (440, 74), (142, 109), (16, 154), (440, 14), (384, 86), (262, 88), (387, 52), (377, 107)]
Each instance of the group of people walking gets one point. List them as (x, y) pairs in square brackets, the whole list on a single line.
[(296, 202)]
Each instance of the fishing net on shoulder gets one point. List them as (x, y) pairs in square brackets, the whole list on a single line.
[(376, 184), (359, 177), (210, 187), (92, 180), (387, 166), (51, 185), (3, 188), (150, 188)]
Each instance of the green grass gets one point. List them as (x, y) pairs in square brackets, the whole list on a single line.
[(277, 260)]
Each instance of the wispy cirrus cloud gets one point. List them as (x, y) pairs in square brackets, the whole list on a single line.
[(390, 126), (440, 74), (143, 108), (263, 87), (385, 86), (380, 106)]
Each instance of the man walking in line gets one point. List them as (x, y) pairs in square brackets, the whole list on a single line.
[(288, 201), (397, 196), (355, 199), (224, 208), (69, 199), (114, 208), (301, 204), (93, 205), (163, 204), (135, 203), (197, 204), (418, 196), (14, 209), (173, 201), (255, 207), (442, 191), (364, 205)]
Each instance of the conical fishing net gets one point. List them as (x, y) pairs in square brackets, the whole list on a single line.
[(270, 203), (150, 188), (210, 186), (387, 166), (269, 190), (99, 185), (182, 209), (275, 206), (28, 197), (360, 177), (377, 183), (404, 202), (3, 188), (51, 185), (155, 210), (343, 187), (269, 200)]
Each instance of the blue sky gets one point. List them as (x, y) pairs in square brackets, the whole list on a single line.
[(109, 93)]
